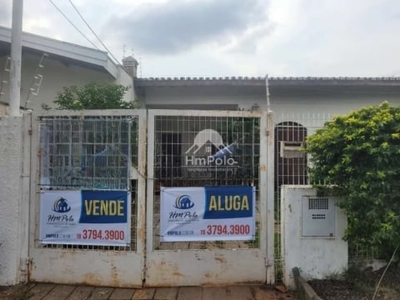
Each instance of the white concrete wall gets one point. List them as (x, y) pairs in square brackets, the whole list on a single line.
[(313, 112), (3, 109), (287, 105), (11, 148), (58, 74), (316, 257), (125, 79), (202, 95)]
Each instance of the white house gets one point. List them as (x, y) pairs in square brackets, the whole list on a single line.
[(287, 94), (48, 65), (300, 104)]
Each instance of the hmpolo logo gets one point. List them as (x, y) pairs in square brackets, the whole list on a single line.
[(205, 136), (208, 138), (183, 202), (61, 206)]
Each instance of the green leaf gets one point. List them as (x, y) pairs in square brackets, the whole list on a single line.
[(93, 96), (359, 153)]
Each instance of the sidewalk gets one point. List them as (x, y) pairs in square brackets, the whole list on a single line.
[(42, 291)]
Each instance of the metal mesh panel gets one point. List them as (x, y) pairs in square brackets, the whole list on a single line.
[(92, 153), (182, 145)]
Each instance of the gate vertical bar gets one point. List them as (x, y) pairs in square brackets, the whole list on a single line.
[(263, 193), (150, 182), (270, 130), (33, 198), (141, 205), (25, 203)]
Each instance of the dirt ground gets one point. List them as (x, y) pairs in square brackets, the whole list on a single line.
[(357, 285), (18, 292)]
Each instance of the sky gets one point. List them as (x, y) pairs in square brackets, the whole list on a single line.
[(211, 38)]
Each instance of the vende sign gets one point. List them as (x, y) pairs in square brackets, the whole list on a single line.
[(85, 218)]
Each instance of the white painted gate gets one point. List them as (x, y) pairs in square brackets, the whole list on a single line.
[(171, 136), (59, 152), (167, 135)]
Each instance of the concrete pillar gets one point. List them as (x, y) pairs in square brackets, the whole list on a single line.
[(11, 155)]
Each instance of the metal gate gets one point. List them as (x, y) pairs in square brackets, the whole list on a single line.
[(106, 150), (180, 145), (94, 150)]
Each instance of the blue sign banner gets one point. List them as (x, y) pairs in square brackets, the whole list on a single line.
[(229, 202), (104, 207), (207, 213), (85, 217)]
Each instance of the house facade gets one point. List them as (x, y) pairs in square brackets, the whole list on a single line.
[(49, 65), (300, 95), (183, 149), (301, 105)]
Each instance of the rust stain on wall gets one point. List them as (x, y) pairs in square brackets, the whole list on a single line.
[(175, 271), (220, 259), (92, 279), (114, 276), (142, 229)]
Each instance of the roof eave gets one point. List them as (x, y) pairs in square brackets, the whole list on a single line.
[(274, 81), (79, 53)]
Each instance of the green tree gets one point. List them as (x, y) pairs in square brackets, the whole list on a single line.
[(93, 96), (359, 154)]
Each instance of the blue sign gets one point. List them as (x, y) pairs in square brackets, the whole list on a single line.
[(228, 202), (104, 207)]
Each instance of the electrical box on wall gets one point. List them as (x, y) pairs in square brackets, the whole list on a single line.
[(318, 216)]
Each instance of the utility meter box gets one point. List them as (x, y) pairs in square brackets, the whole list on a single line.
[(319, 217), (291, 150)]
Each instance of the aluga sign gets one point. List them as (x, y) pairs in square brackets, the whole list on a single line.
[(208, 138)]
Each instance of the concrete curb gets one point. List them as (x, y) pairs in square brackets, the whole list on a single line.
[(305, 291)]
